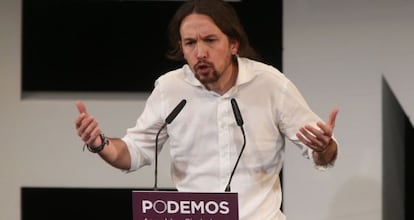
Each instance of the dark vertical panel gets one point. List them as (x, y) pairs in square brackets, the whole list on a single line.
[(394, 156), (409, 144)]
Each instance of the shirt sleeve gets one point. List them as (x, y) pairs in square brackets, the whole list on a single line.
[(141, 139), (294, 113)]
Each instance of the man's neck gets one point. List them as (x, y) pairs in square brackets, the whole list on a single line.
[(226, 81)]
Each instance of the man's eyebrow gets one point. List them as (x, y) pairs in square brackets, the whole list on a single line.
[(202, 37)]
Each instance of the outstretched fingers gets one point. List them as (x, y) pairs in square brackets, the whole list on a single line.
[(328, 127), (313, 138), (318, 139)]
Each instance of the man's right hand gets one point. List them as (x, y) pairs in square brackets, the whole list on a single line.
[(87, 126)]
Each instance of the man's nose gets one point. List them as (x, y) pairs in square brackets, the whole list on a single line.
[(201, 50)]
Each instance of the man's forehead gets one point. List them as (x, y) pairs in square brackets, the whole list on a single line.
[(198, 25)]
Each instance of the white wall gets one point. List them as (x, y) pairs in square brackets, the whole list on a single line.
[(335, 51)]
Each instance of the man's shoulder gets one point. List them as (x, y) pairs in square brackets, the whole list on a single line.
[(172, 75), (261, 69), (257, 65)]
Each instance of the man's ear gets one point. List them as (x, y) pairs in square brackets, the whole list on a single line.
[(234, 45)]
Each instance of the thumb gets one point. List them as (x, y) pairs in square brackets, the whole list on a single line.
[(81, 107), (332, 117)]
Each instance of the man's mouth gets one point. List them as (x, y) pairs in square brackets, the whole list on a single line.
[(203, 68)]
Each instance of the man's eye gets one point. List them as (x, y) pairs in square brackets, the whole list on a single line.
[(189, 43)]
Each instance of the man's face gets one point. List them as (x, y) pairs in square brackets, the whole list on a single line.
[(206, 49)]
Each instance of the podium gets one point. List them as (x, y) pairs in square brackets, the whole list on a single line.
[(173, 205)]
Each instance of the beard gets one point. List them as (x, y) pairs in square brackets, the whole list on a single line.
[(206, 73)]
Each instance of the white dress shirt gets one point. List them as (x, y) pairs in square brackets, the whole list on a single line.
[(205, 141)]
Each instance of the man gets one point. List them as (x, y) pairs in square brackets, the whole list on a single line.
[(204, 138)]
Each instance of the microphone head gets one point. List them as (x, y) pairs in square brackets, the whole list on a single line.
[(236, 112), (175, 111)]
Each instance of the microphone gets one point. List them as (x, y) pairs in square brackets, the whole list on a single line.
[(175, 112), (168, 120), (236, 112), (239, 121)]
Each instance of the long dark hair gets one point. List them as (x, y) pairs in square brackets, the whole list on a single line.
[(223, 15)]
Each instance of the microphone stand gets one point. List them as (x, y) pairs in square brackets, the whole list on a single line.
[(155, 188), (237, 162), (168, 120), (239, 121)]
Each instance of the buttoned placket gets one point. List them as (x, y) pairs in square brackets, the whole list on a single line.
[(224, 140), (225, 118)]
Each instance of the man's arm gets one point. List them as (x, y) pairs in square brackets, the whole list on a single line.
[(320, 140), (114, 151)]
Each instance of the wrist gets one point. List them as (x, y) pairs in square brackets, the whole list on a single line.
[(327, 155), (100, 147)]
